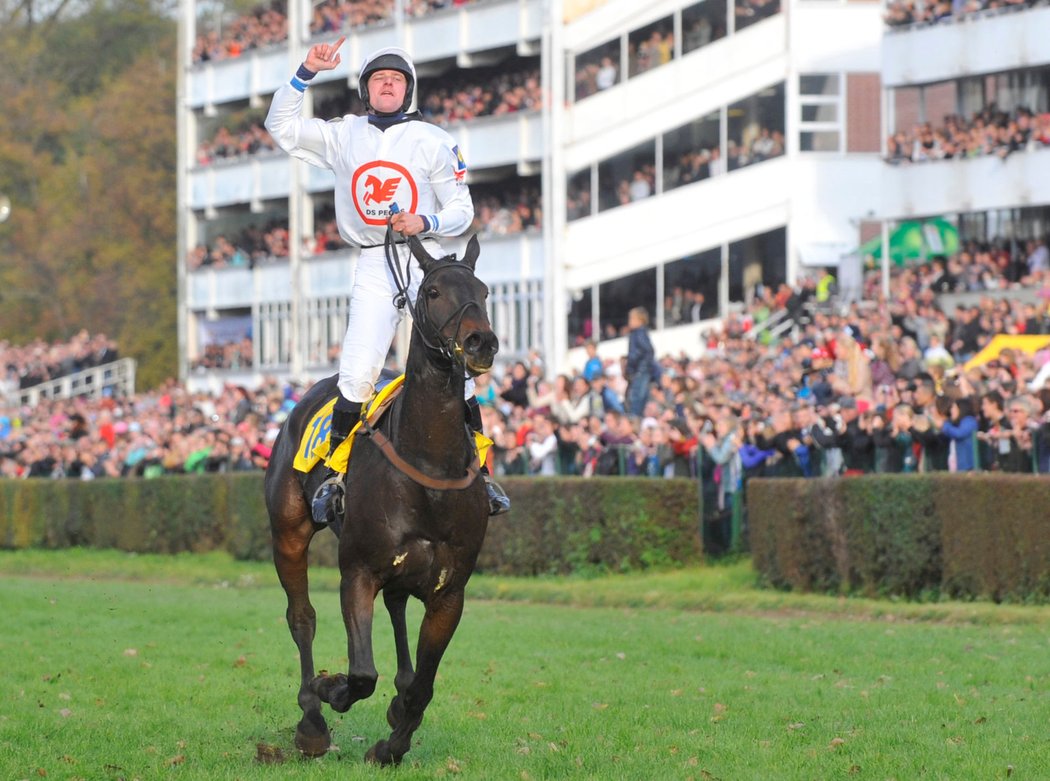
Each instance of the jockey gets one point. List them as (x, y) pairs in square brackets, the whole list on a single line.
[(392, 166)]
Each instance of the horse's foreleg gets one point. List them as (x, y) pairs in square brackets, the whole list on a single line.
[(395, 605), (357, 595), (290, 559), (439, 623)]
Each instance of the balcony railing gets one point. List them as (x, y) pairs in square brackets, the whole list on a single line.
[(115, 379), (473, 28), (489, 142), (953, 186), (511, 258), (981, 44)]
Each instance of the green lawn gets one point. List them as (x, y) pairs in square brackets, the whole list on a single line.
[(123, 667)]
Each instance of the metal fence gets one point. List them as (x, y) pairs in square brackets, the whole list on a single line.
[(109, 379)]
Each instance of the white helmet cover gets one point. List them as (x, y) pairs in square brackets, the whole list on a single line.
[(390, 58)]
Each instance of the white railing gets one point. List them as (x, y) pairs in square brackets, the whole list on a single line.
[(110, 379), (998, 43)]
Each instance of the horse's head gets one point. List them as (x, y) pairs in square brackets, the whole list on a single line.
[(450, 308)]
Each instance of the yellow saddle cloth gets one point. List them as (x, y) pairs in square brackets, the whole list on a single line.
[(314, 445)]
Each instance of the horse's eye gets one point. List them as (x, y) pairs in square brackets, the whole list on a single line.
[(432, 293)]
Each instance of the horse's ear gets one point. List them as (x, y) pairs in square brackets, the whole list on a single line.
[(473, 250), (426, 260)]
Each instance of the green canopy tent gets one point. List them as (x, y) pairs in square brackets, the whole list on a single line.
[(915, 240)]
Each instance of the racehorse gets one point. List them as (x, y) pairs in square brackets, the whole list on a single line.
[(415, 511)]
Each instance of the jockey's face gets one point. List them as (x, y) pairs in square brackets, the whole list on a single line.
[(386, 91)]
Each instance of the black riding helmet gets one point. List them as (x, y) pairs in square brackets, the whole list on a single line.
[(391, 58)]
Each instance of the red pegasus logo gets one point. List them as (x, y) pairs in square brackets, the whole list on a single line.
[(380, 191)]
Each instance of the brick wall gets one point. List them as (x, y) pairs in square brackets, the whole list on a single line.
[(863, 112)]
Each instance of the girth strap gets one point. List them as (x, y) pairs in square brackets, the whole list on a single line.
[(425, 480)]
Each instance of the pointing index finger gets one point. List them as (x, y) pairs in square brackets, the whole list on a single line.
[(337, 44)]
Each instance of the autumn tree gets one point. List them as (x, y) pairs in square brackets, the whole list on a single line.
[(87, 158)]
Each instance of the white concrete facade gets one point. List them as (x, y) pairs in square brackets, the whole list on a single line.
[(817, 198)]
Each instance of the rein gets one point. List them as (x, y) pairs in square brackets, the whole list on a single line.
[(449, 349), (441, 484)]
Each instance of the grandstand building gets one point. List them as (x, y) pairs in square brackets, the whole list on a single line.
[(683, 155)]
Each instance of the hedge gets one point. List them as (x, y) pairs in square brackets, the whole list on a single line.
[(960, 536), (957, 535), (558, 525)]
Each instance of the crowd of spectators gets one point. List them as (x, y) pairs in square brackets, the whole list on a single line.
[(267, 25), (461, 97), (654, 46), (455, 98), (595, 74), (499, 210), (700, 163), (250, 247), (38, 361), (263, 26), (880, 386), (228, 355), (654, 50), (503, 211), (988, 132), (903, 13), (693, 165), (330, 16), (229, 144)]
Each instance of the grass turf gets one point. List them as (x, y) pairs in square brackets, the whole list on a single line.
[(121, 667)]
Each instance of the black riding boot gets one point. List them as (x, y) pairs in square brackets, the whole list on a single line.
[(499, 502), (327, 506)]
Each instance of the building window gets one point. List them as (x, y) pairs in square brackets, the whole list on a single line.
[(598, 69), (821, 112), (325, 327), (688, 151), (691, 288), (748, 12), (578, 201), (581, 317), (756, 264), (618, 297), (755, 128), (651, 46), (702, 24), (274, 333), (627, 177)]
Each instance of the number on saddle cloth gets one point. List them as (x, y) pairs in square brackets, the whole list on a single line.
[(313, 447)]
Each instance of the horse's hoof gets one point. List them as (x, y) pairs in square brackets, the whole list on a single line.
[(380, 754), (311, 738), (333, 689)]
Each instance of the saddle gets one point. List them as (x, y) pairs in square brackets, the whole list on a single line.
[(314, 446)]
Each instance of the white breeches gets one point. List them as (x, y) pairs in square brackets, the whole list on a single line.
[(374, 319)]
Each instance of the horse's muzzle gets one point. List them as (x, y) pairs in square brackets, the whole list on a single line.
[(479, 350)]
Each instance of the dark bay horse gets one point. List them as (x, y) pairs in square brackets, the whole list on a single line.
[(416, 512)]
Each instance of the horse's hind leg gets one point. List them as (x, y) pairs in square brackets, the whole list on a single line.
[(395, 605), (290, 545), (442, 617)]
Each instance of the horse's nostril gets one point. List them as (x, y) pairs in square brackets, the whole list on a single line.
[(472, 343)]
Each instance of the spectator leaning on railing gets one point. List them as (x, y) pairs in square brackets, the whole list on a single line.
[(988, 132), (31, 364)]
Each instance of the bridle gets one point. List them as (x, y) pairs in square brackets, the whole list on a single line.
[(449, 347)]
